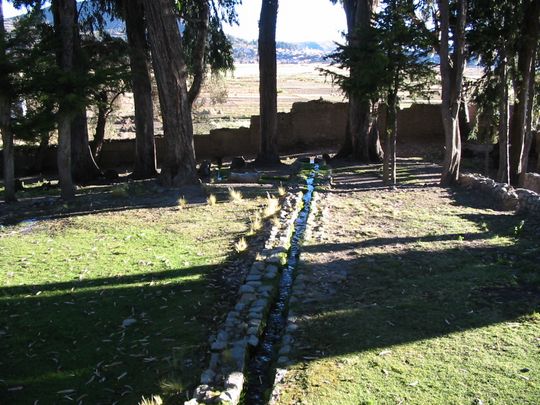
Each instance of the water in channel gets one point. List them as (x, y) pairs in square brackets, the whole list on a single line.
[(260, 367)]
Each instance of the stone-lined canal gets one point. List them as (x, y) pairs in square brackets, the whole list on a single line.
[(261, 366)]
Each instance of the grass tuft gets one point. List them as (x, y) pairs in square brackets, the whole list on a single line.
[(241, 245), (153, 400), (182, 203), (272, 206), (234, 195), (211, 200)]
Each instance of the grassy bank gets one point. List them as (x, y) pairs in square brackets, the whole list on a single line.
[(441, 303)]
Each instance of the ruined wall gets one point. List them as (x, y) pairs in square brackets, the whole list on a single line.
[(309, 125)]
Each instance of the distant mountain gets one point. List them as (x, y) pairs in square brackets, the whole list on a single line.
[(243, 51), (286, 52)]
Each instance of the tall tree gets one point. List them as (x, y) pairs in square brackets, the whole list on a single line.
[(171, 73), (5, 115), (268, 151), (64, 12), (493, 39), (145, 148), (452, 65), (521, 134), (361, 138), (392, 59), (83, 165)]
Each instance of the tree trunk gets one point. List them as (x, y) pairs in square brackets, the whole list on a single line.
[(199, 51), (83, 166), (389, 164), (360, 141), (268, 152), (64, 12), (145, 144), (99, 135), (503, 174), (451, 84), (41, 153), (523, 86), (5, 124), (178, 166), (528, 128), (7, 145)]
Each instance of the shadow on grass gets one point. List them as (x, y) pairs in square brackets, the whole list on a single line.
[(122, 197), (422, 292), (109, 339)]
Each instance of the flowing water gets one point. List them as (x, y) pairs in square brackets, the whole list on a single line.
[(260, 367)]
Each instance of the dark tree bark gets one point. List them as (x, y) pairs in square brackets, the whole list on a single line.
[(503, 174), (268, 151), (83, 166), (101, 122), (64, 12), (5, 125), (41, 153), (521, 121), (451, 67), (145, 144), (360, 121), (390, 157), (199, 51), (178, 167)]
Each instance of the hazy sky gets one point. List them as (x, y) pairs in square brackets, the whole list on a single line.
[(298, 20)]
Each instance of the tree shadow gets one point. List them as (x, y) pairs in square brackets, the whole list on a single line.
[(420, 292), (108, 339)]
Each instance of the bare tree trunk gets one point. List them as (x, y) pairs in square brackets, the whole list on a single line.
[(99, 135), (503, 175), (41, 153), (64, 12), (5, 125), (268, 152), (83, 166), (178, 167), (8, 153), (451, 78), (360, 141), (389, 164), (145, 144), (199, 52), (523, 85), (528, 128)]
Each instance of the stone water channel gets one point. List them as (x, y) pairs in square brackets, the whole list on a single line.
[(246, 349), (260, 376)]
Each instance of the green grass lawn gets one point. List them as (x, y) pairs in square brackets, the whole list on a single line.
[(441, 304), (113, 306)]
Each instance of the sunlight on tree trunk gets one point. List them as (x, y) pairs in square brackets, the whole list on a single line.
[(451, 67), (64, 19), (268, 152)]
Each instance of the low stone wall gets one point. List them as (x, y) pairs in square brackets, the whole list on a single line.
[(505, 197), (309, 125)]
